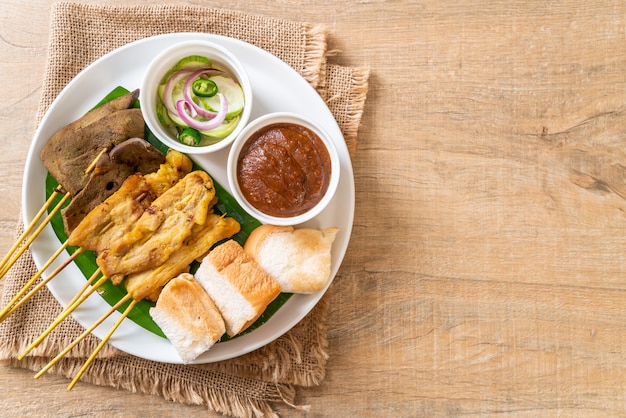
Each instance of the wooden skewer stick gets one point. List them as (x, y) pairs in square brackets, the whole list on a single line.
[(102, 344), (66, 312), (4, 267), (82, 336), (29, 241), (88, 283), (92, 165), (30, 227), (16, 302)]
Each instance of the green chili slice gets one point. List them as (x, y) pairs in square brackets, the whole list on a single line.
[(190, 136), (203, 87)]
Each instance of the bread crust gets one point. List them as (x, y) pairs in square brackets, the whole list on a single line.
[(299, 259), (188, 317), (250, 280), (256, 237)]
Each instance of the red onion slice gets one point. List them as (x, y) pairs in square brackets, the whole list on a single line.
[(169, 88), (185, 110)]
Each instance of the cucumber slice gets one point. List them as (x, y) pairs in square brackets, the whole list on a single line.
[(177, 90), (223, 130), (176, 120), (163, 115), (233, 92)]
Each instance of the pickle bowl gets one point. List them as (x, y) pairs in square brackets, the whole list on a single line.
[(283, 168), (196, 97)]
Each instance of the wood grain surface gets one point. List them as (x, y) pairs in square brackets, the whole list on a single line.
[(486, 274)]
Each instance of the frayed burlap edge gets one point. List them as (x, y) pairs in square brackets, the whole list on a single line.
[(346, 106), (254, 401), (316, 41), (177, 19)]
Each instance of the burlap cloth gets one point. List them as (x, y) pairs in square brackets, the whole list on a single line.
[(244, 386)]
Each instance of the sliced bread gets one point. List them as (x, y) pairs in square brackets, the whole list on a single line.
[(188, 317), (298, 259), (240, 288)]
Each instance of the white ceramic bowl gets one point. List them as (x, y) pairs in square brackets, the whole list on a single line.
[(163, 63), (261, 123)]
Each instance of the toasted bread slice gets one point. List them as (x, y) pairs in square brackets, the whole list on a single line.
[(240, 288), (298, 259), (188, 317)]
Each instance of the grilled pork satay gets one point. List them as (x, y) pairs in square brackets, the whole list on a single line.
[(149, 283), (146, 284), (118, 214), (177, 166), (114, 217), (162, 228)]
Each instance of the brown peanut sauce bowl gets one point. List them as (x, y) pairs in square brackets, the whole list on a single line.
[(283, 169)]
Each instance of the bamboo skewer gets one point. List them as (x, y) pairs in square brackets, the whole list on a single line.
[(78, 299), (92, 165), (102, 344), (29, 228), (16, 302), (82, 336), (10, 259), (7, 265), (88, 283)]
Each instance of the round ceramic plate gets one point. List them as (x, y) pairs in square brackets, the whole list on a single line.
[(277, 87)]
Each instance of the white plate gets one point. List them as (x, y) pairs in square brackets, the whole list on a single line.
[(277, 87)]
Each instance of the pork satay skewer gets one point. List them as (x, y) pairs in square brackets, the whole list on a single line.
[(102, 343), (204, 235), (30, 227), (132, 206), (30, 239), (107, 218), (123, 203), (141, 285), (138, 186), (130, 190), (82, 336), (20, 297)]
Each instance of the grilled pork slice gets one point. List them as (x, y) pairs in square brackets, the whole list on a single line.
[(114, 217), (177, 165), (118, 214), (162, 228), (188, 317), (147, 284), (240, 288)]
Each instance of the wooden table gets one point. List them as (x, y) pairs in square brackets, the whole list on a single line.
[(486, 274)]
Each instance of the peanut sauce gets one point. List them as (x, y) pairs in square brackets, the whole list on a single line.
[(284, 169)]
